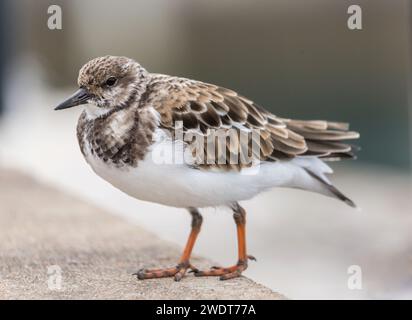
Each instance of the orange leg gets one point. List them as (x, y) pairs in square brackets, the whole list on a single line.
[(180, 270), (239, 214)]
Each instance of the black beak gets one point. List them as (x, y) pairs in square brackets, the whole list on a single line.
[(81, 96)]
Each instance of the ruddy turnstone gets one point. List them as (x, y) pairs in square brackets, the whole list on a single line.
[(149, 135)]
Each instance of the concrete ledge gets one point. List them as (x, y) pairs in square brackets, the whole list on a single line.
[(47, 236)]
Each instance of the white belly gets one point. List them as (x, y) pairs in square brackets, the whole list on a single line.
[(180, 185)]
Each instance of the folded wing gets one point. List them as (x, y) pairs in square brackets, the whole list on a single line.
[(202, 108)]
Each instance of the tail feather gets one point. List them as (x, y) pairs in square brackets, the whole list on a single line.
[(331, 188), (325, 139)]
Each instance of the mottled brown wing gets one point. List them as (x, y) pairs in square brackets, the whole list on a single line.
[(325, 139), (202, 107)]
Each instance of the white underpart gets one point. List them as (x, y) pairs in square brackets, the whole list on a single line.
[(179, 185), (93, 111)]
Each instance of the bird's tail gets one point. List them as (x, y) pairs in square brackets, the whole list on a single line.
[(325, 139), (332, 189), (313, 178)]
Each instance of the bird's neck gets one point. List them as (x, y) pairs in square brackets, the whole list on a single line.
[(93, 112)]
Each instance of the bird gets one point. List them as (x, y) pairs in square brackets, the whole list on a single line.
[(154, 137)]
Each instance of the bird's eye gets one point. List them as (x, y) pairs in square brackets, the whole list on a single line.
[(111, 81)]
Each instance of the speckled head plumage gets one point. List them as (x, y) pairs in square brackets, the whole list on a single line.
[(112, 80), (108, 82), (95, 72)]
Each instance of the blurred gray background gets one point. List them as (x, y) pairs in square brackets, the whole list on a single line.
[(298, 59)]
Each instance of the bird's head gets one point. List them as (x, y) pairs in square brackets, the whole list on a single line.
[(108, 82)]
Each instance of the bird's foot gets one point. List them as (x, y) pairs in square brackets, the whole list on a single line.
[(226, 273), (176, 272)]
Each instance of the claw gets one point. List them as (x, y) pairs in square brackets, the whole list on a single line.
[(251, 258), (193, 269), (178, 276), (138, 272)]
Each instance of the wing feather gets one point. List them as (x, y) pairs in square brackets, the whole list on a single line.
[(203, 107)]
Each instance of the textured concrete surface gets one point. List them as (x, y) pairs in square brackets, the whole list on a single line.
[(53, 246)]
